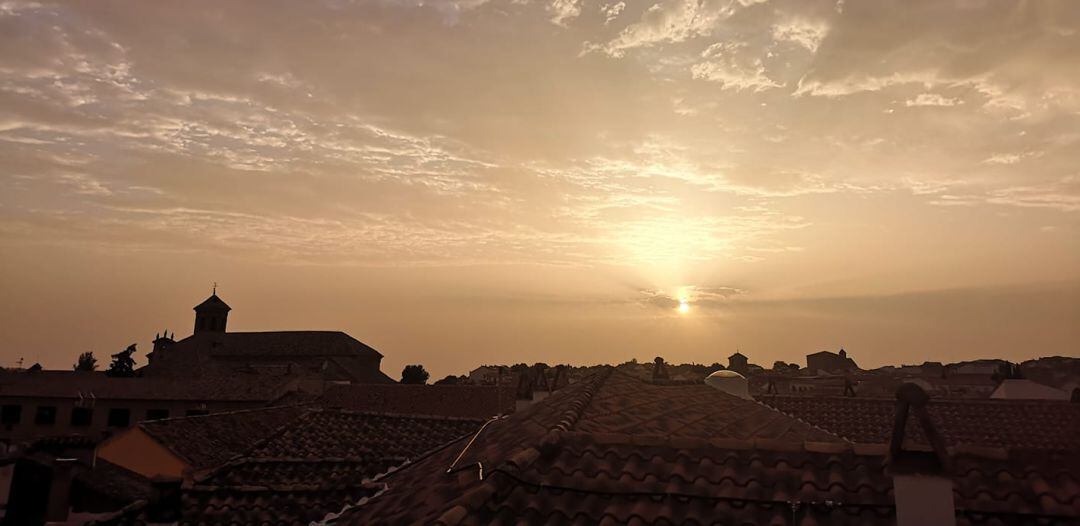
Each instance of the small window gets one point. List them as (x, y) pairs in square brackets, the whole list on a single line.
[(11, 414), (157, 414), (119, 417), (82, 416), (197, 412), (45, 415)]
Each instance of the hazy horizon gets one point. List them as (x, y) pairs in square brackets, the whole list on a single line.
[(462, 182)]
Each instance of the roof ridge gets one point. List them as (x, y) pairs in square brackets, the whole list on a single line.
[(797, 419), (582, 400), (423, 416), (222, 413)]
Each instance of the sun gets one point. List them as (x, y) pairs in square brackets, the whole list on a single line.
[(684, 306)]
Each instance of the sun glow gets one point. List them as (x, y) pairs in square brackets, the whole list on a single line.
[(684, 306)]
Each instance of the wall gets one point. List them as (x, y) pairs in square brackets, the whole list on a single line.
[(27, 429)]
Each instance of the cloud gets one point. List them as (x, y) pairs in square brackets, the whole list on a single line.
[(932, 99), (611, 11), (726, 64), (805, 33), (673, 21), (562, 11)]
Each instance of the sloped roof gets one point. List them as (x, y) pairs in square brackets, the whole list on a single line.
[(608, 408), (277, 344), (210, 440), (360, 370), (76, 384), (1023, 389), (613, 449), (213, 303), (311, 466), (1008, 424), (469, 401)]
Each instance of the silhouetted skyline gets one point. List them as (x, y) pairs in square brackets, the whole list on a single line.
[(573, 181)]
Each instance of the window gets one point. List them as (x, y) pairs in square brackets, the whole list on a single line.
[(45, 415), (11, 414), (82, 416), (197, 412), (119, 417), (157, 414)]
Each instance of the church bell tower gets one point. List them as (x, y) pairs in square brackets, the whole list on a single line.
[(211, 315)]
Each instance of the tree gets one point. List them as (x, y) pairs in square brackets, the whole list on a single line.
[(86, 362), (454, 380), (414, 374), (122, 363)]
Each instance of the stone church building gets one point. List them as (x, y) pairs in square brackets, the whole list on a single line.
[(213, 351)]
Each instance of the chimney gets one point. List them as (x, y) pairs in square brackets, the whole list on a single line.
[(164, 502), (922, 485), (524, 393), (63, 471), (659, 371), (541, 387)]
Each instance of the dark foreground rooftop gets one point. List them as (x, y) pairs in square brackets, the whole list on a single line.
[(615, 450)]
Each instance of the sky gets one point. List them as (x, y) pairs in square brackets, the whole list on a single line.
[(466, 182)]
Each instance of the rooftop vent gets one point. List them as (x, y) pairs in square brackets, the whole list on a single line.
[(729, 382)]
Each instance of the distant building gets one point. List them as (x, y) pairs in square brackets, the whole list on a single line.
[(489, 375), (739, 363), (962, 385), (213, 351), (981, 367), (830, 362), (93, 405)]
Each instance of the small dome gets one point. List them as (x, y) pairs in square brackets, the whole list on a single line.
[(729, 382)]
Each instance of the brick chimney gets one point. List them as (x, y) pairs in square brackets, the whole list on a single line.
[(922, 482)]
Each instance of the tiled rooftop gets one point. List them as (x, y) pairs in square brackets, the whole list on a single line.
[(466, 401), (616, 450), (210, 440), (1009, 424), (311, 465)]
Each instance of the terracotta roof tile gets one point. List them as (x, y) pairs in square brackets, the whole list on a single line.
[(1009, 424), (467, 401), (615, 450), (207, 441)]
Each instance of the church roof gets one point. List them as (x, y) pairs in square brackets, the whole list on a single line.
[(213, 303), (279, 344)]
